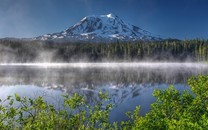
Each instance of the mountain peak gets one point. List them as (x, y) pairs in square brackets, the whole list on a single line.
[(111, 15), (102, 28), (107, 16)]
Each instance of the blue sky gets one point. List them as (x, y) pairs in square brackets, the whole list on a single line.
[(182, 19)]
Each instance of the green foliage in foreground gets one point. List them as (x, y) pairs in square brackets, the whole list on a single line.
[(172, 110)]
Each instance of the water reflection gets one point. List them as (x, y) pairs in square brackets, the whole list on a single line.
[(127, 86), (93, 77)]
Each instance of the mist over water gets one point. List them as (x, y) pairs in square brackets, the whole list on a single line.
[(109, 64), (128, 84), (69, 73)]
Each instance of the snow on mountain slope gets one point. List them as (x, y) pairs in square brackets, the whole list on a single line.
[(101, 28)]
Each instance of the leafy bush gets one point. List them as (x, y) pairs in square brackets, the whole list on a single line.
[(172, 110), (37, 114), (175, 110)]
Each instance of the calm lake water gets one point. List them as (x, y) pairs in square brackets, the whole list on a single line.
[(128, 84)]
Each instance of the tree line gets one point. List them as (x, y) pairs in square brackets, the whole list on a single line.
[(168, 50)]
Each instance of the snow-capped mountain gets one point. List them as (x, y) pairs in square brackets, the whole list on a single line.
[(101, 28)]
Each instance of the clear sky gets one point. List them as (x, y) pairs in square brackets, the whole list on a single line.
[(182, 19)]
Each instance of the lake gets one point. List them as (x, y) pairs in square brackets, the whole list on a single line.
[(128, 84)]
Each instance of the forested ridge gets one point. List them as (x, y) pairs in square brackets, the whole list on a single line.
[(168, 50)]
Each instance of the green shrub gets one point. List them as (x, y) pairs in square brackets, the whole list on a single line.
[(175, 110)]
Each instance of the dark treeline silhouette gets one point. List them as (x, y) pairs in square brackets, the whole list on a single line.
[(13, 50)]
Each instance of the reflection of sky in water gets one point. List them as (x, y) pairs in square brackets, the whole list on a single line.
[(30, 91), (127, 86)]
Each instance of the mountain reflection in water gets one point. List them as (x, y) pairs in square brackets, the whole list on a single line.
[(127, 86)]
